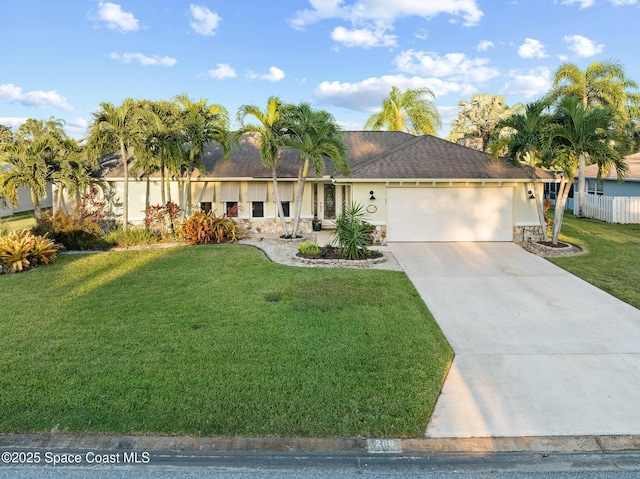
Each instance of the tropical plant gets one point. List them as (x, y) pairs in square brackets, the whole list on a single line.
[(316, 136), (579, 132), (112, 128), (134, 236), (411, 111), (353, 233), (521, 139), (308, 248), (272, 129), (204, 227), (479, 116), (22, 250), (160, 219), (601, 84), (202, 124)]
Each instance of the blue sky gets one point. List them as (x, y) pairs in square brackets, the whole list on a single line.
[(61, 58)]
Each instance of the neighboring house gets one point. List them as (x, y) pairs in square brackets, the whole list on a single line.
[(609, 185), (414, 188)]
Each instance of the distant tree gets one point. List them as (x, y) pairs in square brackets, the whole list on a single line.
[(601, 84), (6, 135), (479, 116), (411, 111)]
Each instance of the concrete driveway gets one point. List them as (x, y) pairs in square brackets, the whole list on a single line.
[(539, 352)]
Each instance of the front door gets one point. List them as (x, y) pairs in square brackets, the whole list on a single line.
[(329, 201)]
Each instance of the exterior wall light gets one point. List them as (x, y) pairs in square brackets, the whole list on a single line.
[(372, 197)]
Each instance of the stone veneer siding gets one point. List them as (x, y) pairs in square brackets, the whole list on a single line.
[(526, 234), (271, 226)]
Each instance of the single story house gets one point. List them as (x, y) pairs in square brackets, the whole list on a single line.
[(414, 188), (608, 185)]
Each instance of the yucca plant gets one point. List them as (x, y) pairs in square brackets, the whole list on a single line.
[(353, 232)]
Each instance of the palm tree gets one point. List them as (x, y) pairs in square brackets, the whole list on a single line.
[(315, 134), (30, 165), (601, 84), (411, 111), (202, 124), (520, 138), (112, 129), (479, 116), (588, 133), (272, 129), (158, 132)]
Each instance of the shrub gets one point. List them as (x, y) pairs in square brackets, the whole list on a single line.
[(160, 220), (204, 227), (130, 237), (20, 251), (79, 231), (72, 231), (309, 248), (352, 232)]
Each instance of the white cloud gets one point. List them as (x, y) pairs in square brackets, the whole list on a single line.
[(12, 122), (484, 45), (274, 75), (40, 99), (144, 60), (385, 12), (530, 84), (531, 48), (456, 66), (448, 113), (222, 70), (115, 18), (618, 3), (582, 3), (367, 95), (363, 37), (77, 126), (582, 46), (204, 20)]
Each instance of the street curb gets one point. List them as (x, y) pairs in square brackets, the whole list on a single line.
[(203, 445)]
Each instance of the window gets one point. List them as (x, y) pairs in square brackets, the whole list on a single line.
[(286, 209), (257, 209), (205, 206), (595, 187), (232, 208)]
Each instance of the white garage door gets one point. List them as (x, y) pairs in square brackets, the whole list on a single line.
[(449, 214)]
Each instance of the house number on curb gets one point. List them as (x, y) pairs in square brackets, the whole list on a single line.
[(383, 445)]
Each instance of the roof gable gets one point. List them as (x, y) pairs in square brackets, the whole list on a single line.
[(633, 162)]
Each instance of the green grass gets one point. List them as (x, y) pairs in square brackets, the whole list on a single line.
[(613, 259), (215, 340), (17, 222)]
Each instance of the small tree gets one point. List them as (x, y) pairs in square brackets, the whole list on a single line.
[(352, 232)]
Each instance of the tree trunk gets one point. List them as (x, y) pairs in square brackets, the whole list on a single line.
[(168, 178), (37, 211), (125, 202), (581, 183), (58, 199), (563, 194), (276, 194), (302, 174), (163, 196), (540, 208)]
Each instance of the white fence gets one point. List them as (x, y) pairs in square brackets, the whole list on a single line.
[(612, 209)]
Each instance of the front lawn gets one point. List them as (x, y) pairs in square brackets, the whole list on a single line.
[(613, 259), (17, 222), (215, 340)]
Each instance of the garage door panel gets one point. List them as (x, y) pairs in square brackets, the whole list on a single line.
[(449, 214)]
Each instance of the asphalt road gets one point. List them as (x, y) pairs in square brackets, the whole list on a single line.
[(250, 466)]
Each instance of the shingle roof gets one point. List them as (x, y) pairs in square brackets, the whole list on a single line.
[(372, 155), (633, 162)]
